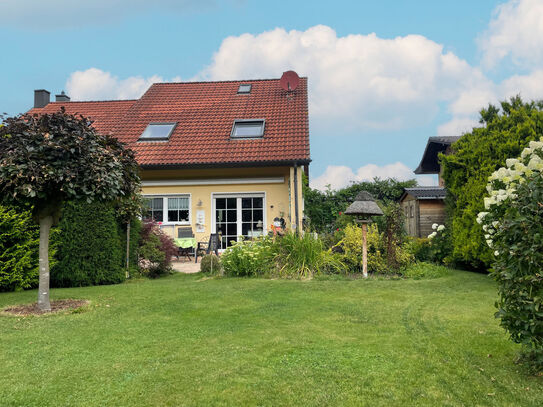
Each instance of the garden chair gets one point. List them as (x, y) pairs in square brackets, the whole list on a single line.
[(184, 232), (208, 247)]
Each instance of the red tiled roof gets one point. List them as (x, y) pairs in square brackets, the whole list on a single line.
[(204, 113), (106, 114)]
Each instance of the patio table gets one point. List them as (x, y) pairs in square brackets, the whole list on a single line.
[(185, 245), (185, 242)]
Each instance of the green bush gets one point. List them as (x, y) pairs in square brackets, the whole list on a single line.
[(19, 241), (475, 156), (304, 255), (135, 237), (156, 251), (419, 248), (513, 228), (211, 264), (88, 247), (249, 258)]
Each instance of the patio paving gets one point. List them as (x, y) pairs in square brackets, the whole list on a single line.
[(186, 266)]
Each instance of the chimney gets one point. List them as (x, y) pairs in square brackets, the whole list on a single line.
[(63, 97), (41, 97)]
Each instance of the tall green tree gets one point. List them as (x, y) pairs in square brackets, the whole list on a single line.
[(505, 132), (48, 159)]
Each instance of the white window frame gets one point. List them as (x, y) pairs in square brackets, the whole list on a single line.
[(165, 207), (238, 196)]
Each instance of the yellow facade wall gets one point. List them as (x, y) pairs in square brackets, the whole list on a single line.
[(278, 198)]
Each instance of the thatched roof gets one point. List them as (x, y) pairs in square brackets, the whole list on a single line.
[(364, 205)]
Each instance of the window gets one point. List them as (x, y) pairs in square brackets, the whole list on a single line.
[(155, 209), (157, 132), (244, 88), (178, 209), (169, 209), (248, 128)]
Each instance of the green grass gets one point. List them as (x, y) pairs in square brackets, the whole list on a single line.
[(185, 340)]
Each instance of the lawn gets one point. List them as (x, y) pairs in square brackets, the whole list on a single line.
[(187, 340)]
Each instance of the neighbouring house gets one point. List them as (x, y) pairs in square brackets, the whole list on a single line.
[(424, 206), (222, 157)]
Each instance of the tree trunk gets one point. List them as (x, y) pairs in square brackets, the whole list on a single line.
[(43, 290), (128, 250), (364, 251)]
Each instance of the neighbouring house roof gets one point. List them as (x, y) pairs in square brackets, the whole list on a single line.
[(204, 113), (429, 163), (425, 193)]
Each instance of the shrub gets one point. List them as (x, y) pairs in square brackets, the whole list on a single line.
[(424, 270), (156, 250), (352, 248), (513, 230), (211, 264), (475, 156), (249, 257), (19, 240), (303, 255), (88, 247), (135, 236), (419, 248), (439, 244)]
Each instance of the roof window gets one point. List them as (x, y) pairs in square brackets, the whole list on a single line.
[(157, 132), (252, 128), (244, 88)]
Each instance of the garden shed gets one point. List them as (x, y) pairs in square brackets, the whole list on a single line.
[(423, 206)]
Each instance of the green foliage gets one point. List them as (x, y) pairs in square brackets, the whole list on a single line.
[(211, 264), (420, 270), (475, 156), (156, 251), (18, 250), (88, 247), (380, 261), (302, 256), (324, 208), (249, 257), (419, 248), (135, 236), (513, 228)]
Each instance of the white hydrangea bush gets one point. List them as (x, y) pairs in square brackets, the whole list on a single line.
[(513, 227)]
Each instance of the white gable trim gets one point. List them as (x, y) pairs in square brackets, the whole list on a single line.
[(214, 181)]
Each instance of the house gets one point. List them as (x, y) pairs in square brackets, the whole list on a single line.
[(424, 206), (222, 157)]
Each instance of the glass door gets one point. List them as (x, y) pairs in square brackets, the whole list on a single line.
[(226, 220), (239, 216)]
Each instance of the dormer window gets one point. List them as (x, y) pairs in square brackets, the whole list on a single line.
[(157, 132), (252, 128), (244, 88)]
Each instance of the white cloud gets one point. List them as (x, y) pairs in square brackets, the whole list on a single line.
[(55, 14), (360, 81), (515, 32), (457, 126), (340, 176), (95, 84)]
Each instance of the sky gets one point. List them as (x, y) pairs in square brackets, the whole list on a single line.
[(383, 75)]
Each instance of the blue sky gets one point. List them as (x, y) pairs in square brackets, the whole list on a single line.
[(384, 76)]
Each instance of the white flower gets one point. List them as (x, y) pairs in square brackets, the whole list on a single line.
[(434, 226), (536, 145), (440, 228), (526, 152), (489, 243), (432, 235), (496, 253)]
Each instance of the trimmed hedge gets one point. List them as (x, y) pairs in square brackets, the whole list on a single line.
[(19, 242), (89, 250)]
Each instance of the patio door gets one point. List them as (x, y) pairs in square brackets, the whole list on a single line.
[(238, 216)]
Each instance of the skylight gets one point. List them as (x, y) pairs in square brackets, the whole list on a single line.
[(244, 88), (252, 128), (157, 132)]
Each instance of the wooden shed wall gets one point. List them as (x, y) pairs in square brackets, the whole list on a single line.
[(431, 211)]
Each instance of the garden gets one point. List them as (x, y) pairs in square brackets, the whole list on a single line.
[(279, 319)]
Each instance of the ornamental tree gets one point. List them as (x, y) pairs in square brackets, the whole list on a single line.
[(46, 160), (513, 227)]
